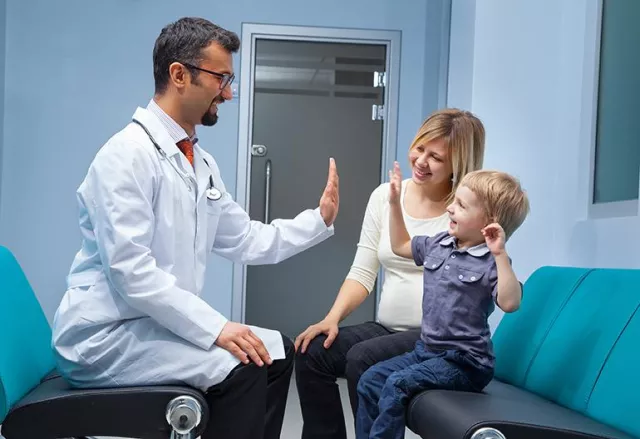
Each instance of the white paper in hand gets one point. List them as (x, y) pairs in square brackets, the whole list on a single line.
[(272, 341)]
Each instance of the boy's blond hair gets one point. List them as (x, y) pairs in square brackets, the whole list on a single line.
[(502, 197), (464, 135)]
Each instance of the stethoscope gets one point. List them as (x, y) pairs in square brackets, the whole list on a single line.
[(212, 192)]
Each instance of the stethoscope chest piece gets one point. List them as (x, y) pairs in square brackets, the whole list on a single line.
[(214, 194)]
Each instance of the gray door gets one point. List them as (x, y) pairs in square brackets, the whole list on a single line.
[(312, 101)]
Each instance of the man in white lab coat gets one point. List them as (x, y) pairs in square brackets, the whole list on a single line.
[(152, 206)]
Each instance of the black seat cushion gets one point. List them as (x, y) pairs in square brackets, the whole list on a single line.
[(440, 414), (55, 410)]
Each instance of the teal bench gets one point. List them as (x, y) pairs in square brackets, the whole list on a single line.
[(567, 365), (36, 403)]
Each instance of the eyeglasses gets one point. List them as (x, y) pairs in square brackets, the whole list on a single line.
[(225, 78)]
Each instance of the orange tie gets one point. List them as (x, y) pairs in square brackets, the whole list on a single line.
[(186, 146)]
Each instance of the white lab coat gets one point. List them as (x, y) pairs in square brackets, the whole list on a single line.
[(132, 314)]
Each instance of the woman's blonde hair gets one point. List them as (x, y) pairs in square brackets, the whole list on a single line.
[(463, 133)]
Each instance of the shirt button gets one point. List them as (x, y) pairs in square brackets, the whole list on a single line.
[(460, 277), (473, 278), (446, 267), (453, 256), (433, 266)]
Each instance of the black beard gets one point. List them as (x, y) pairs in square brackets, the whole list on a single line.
[(209, 119)]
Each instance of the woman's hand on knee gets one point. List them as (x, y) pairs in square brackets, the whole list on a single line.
[(326, 326)]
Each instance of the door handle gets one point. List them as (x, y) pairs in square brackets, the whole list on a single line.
[(267, 190), (258, 150)]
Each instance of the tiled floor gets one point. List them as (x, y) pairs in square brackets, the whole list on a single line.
[(292, 427)]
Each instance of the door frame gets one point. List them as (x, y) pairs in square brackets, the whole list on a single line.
[(250, 33)]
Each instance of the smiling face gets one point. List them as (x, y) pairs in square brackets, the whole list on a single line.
[(468, 218), (193, 70), (207, 86), (448, 145), (431, 163)]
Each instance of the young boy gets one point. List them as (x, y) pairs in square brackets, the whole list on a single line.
[(466, 270)]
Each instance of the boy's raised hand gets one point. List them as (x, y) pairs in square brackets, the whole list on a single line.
[(395, 177), (495, 238)]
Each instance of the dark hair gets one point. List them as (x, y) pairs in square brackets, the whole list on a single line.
[(183, 41)]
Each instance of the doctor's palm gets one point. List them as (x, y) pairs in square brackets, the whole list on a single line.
[(330, 200)]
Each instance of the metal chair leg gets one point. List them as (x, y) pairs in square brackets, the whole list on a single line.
[(488, 433), (183, 415)]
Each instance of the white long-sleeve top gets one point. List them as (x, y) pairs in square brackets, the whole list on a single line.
[(400, 305)]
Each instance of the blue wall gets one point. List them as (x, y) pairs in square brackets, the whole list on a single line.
[(78, 69), (535, 93), (3, 26)]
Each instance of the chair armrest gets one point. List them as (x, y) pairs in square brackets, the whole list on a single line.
[(54, 409), (440, 414)]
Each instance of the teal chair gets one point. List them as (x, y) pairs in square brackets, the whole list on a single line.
[(566, 365), (36, 403)]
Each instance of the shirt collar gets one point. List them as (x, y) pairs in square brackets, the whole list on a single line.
[(477, 250), (176, 132)]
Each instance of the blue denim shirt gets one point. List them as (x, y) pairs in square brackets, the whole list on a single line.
[(459, 290)]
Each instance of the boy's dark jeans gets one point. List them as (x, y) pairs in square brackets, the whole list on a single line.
[(385, 390)]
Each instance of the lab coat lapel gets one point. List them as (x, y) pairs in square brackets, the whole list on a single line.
[(158, 131), (202, 173)]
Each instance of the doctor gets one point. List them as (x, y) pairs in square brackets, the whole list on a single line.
[(151, 208)]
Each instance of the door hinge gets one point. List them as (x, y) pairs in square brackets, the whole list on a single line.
[(377, 112), (379, 79)]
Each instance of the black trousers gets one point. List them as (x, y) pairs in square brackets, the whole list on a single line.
[(250, 402), (354, 350)]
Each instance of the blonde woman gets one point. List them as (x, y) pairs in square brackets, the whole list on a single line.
[(448, 145)]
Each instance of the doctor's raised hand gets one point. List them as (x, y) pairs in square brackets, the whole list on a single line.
[(330, 200)]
